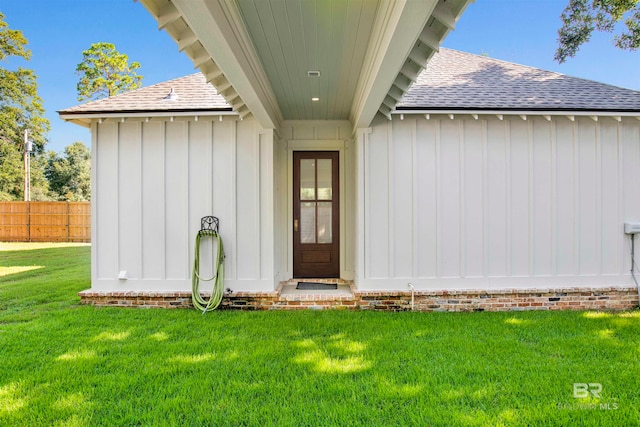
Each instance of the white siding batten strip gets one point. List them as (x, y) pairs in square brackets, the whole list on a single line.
[(234, 199), (94, 202), (414, 200), (554, 195), (118, 144), (462, 217), (391, 202), (211, 132), (191, 225), (364, 228), (621, 213), (438, 134), (141, 186), (163, 147), (508, 213), (576, 198), (531, 241), (485, 198), (259, 212), (599, 207)]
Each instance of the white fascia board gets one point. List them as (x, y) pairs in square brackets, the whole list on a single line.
[(77, 120), (396, 29), (220, 29), (516, 113), (127, 115), (84, 119)]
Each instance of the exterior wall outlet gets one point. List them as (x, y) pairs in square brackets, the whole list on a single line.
[(631, 227)]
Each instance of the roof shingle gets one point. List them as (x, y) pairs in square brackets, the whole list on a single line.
[(459, 80), (193, 94), (453, 80)]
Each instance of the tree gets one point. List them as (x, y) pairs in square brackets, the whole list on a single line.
[(105, 72), (581, 17), (69, 176), (20, 108)]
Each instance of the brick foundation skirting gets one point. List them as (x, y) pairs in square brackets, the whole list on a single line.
[(610, 298)]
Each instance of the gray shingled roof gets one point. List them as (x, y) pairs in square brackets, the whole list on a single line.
[(459, 80), (193, 94), (453, 80)]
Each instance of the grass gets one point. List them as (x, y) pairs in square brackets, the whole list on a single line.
[(69, 365)]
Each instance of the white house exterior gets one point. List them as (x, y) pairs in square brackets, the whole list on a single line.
[(470, 184)]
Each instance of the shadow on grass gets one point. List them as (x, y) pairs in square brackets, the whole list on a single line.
[(83, 366), (49, 279), (122, 366)]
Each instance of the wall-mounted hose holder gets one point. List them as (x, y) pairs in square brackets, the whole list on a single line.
[(208, 227)]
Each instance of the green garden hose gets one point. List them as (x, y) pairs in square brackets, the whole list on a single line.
[(218, 267)]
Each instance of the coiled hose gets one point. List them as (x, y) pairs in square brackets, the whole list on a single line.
[(218, 267)]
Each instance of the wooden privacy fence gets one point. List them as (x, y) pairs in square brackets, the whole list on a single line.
[(45, 221)]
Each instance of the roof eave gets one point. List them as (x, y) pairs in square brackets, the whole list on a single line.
[(521, 111), (410, 43), (215, 39), (84, 118)]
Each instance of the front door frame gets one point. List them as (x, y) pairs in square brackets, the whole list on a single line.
[(319, 268), (317, 145)]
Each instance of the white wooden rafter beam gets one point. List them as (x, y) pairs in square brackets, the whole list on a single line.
[(223, 43), (186, 39), (419, 55), (201, 59), (221, 84), (210, 76), (429, 37), (445, 15), (394, 34), (389, 102), (167, 15), (411, 70)]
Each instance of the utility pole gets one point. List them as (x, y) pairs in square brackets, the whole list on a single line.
[(27, 167)]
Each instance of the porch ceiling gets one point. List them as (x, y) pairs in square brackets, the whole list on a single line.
[(293, 38), (258, 53)]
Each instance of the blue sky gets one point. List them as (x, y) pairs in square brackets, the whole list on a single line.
[(520, 31)]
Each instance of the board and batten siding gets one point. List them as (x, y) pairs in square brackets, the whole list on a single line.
[(488, 203), (152, 183)]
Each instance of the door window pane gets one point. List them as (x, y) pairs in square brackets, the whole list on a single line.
[(325, 192), (307, 222), (325, 233), (307, 179)]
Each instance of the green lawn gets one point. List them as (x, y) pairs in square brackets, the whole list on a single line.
[(63, 364)]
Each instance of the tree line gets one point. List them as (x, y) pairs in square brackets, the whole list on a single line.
[(66, 176)]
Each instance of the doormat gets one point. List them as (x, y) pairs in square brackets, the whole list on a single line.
[(313, 286)]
